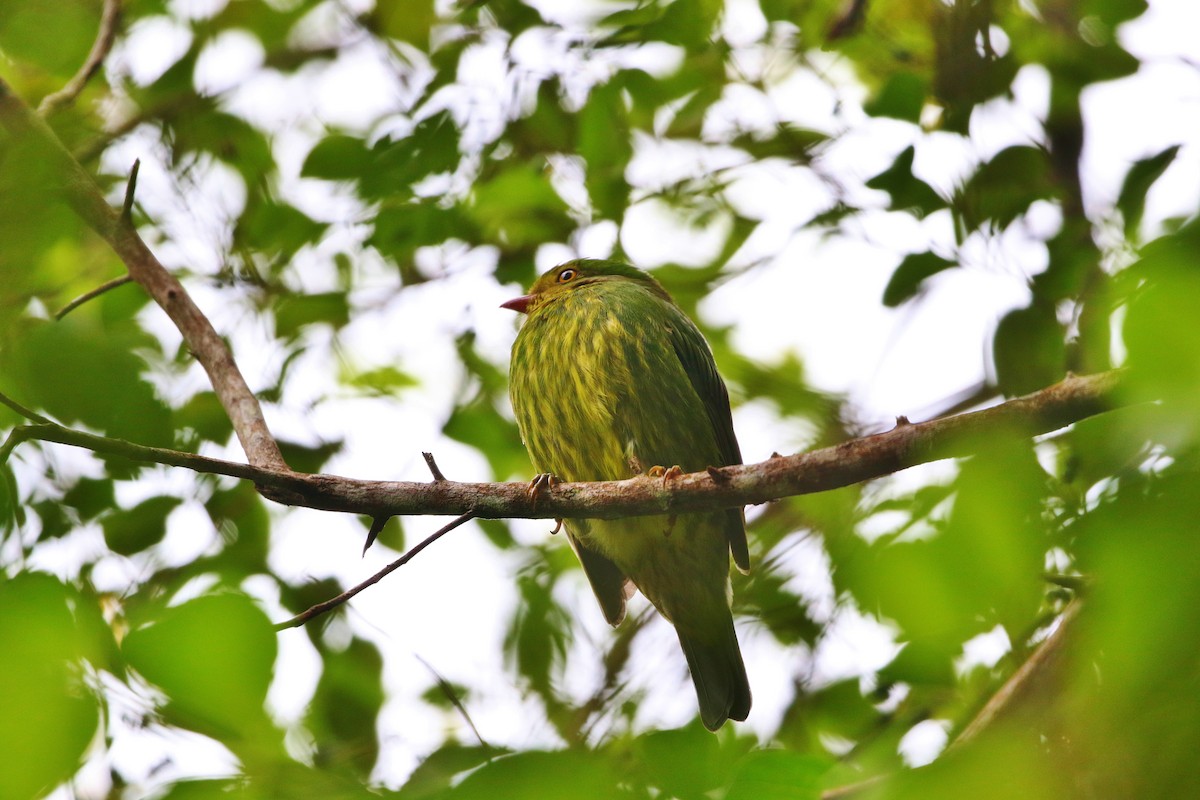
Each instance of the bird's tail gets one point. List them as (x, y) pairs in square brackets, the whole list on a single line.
[(718, 672)]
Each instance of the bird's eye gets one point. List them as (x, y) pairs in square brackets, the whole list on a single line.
[(566, 275)]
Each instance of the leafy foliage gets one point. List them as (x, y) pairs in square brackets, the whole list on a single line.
[(507, 135)]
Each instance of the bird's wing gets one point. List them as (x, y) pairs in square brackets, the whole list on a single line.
[(694, 354), (611, 586)]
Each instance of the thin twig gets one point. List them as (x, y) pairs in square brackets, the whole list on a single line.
[(109, 18), (93, 294), (451, 695), (433, 467), (27, 413), (334, 602)]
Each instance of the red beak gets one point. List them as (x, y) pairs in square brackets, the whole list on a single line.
[(519, 304)]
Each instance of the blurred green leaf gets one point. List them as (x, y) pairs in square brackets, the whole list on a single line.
[(410, 21), (79, 371), (1131, 202), (912, 271), (519, 207), (297, 311), (48, 716), (338, 157), (23, 29), (542, 775), (343, 711), (778, 775), (908, 192), (1002, 189), (902, 97), (129, 531), (1029, 350), (213, 657)]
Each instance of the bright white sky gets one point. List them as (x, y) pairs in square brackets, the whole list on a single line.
[(817, 298)]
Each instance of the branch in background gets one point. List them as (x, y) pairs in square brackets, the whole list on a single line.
[(906, 445), (1029, 680), (92, 295), (80, 191), (109, 17), (334, 602)]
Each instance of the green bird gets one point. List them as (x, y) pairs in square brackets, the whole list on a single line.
[(608, 378)]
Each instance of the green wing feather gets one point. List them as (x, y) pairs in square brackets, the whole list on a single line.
[(611, 586), (694, 354)]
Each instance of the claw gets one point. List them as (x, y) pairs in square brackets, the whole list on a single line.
[(666, 473), (557, 526), (540, 484)]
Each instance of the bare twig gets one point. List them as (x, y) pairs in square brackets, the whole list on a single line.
[(93, 294), (79, 190), (1071, 400), (334, 602), (27, 413), (448, 690), (110, 16), (433, 467)]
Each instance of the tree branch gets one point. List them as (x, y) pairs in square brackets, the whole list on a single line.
[(83, 195), (110, 15), (906, 445)]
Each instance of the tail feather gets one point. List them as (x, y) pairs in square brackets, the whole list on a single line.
[(719, 675)]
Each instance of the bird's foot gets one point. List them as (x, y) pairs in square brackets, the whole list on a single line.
[(666, 473), (557, 526), (539, 484)]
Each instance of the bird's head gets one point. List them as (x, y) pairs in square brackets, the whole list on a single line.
[(574, 275)]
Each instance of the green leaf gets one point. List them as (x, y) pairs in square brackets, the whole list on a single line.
[(519, 208), (129, 531), (387, 381), (902, 97), (338, 157), (542, 775), (910, 274), (409, 21), (778, 775), (344, 709), (1131, 202), (48, 717), (212, 657), (276, 229), (205, 415), (90, 497), (78, 370), (297, 311), (908, 192), (434, 775), (402, 227), (603, 142), (24, 28), (480, 425), (1029, 349), (681, 763), (432, 148), (309, 458), (1003, 188)]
